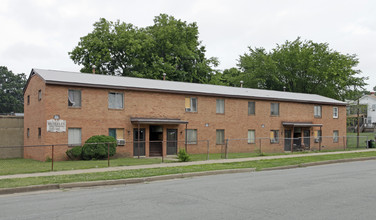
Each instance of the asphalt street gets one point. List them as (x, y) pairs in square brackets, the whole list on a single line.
[(336, 191)]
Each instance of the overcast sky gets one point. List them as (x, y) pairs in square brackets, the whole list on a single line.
[(40, 33)]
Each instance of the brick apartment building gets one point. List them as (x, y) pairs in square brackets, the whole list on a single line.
[(156, 111)]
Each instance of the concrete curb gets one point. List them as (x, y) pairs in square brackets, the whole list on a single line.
[(165, 177), (120, 181), (319, 163)]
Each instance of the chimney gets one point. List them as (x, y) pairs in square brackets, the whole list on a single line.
[(94, 69), (164, 76), (284, 88), (241, 84)]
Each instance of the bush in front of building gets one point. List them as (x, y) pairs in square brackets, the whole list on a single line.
[(75, 153), (96, 147), (183, 156)]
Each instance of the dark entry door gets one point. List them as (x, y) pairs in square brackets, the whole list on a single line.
[(139, 147), (307, 138), (287, 140), (172, 138), (156, 139)]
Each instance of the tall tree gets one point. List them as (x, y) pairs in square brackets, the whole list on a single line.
[(11, 91), (169, 46), (302, 66)]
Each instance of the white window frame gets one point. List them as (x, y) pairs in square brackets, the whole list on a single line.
[(220, 106), (317, 111), (335, 112), (74, 94), (191, 136), (115, 100), (272, 110), (74, 136), (251, 136)]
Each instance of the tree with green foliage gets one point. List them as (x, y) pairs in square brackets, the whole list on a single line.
[(11, 91), (169, 46), (300, 66)]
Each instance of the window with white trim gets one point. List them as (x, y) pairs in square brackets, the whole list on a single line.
[(335, 112)]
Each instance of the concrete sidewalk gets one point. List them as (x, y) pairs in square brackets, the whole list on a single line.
[(177, 164)]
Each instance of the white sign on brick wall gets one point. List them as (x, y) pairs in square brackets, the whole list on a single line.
[(56, 125)]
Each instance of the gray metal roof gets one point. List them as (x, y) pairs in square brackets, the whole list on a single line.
[(131, 83)]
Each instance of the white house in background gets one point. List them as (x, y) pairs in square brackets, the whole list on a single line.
[(370, 101)]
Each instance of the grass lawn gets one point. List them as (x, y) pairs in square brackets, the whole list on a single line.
[(259, 165), (17, 166), (363, 137)]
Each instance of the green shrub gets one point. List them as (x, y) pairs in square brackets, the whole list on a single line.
[(95, 147), (75, 153), (183, 156)]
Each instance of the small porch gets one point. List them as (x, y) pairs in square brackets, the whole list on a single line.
[(156, 136), (298, 135)]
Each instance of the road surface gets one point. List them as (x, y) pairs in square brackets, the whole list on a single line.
[(336, 191)]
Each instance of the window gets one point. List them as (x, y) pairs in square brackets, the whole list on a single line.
[(274, 136), (373, 107), (28, 99), (74, 136), (251, 108), (220, 106), (191, 104), (39, 132), (39, 95), (74, 98), (115, 100), (251, 137), (274, 108), (335, 112), (317, 135), (191, 136), (220, 136), (28, 132), (117, 133), (317, 111), (335, 136)]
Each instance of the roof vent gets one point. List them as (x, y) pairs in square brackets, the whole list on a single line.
[(94, 68), (164, 76), (241, 84)]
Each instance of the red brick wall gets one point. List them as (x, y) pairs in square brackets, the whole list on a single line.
[(94, 117)]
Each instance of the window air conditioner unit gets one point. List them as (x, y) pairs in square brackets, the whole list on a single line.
[(317, 140), (121, 142)]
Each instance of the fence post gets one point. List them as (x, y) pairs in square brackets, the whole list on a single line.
[(226, 149), (108, 154), (207, 145), (344, 143), (166, 150), (52, 164), (260, 145)]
